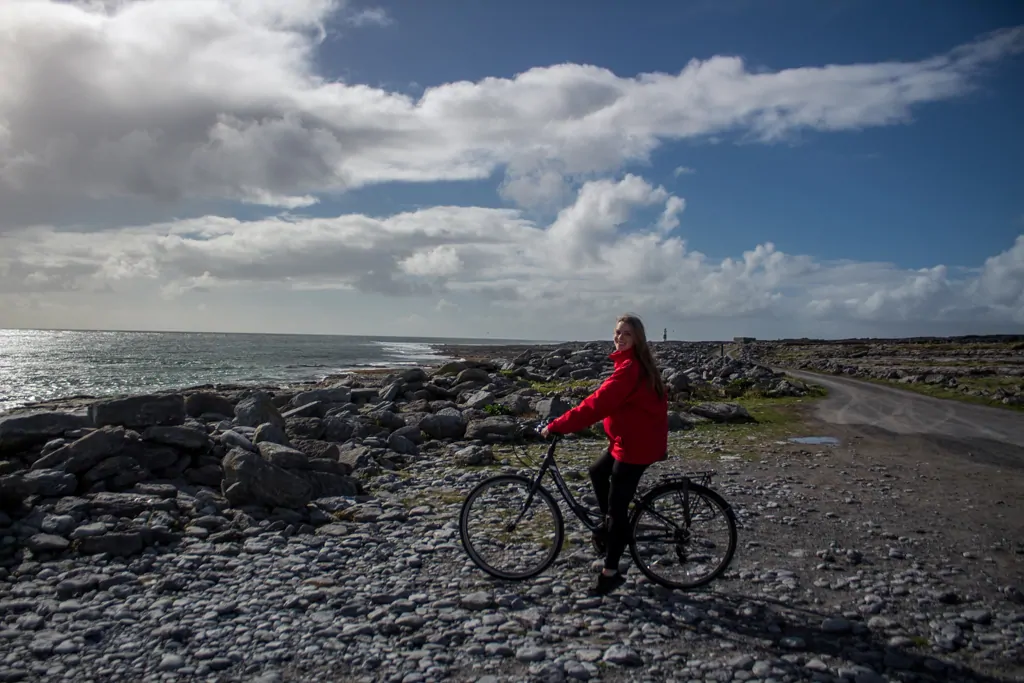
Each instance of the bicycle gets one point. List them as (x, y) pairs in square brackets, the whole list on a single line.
[(684, 547)]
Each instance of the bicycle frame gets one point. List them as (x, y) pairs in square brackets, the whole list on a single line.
[(582, 512)]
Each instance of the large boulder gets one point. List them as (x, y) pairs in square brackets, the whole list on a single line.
[(492, 429), (331, 395), (472, 375), (550, 408), (18, 432), (331, 484), (139, 411), (283, 456), (249, 478), (474, 455), (479, 399), (337, 428), (186, 438), (85, 453), (51, 483), (257, 409), (208, 403), (722, 412), (14, 488), (440, 426)]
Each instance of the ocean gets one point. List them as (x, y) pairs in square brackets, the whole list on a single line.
[(38, 365)]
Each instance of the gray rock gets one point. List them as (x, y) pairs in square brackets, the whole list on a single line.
[(402, 445), (315, 449), (338, 394), (479, 400), (362, 396), (121, 504), (47, 543), (14, 488), (479, 600), (155, 458), (722, 412), (258, 409), (492, 429), (337, 428), (305, 427), (86, 452), (356, 458), (677, 422), (474, 455), (283, 456), (440, 426), (208, 403), (206, 475), (139, 411), (249, 478), (622, 656), (550, 408), (116, 544), (112, 467), (22, 431), (232, 439), (472, 375), (179, 437)]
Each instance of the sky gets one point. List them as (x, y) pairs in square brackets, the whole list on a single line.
[(523, 170)]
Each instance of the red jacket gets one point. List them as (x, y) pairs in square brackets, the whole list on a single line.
[(634, 418)]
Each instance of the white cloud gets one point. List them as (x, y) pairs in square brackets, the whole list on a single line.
[(102, 118), (442, 261), (594, 259), (371, 16), (226, 101)]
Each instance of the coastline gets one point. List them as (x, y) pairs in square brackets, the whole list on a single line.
[(370, 374)]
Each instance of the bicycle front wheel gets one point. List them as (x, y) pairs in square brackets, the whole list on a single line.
[(509, 533), (683, 535)]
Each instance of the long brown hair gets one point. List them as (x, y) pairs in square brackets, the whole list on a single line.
[(642, 352)]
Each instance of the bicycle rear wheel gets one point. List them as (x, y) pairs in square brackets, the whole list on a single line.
[(507, 533), (683, 535)]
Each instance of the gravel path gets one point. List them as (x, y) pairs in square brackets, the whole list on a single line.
[(853, 402), (841, 575)]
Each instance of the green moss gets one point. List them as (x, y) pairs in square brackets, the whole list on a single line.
[(565, 386)]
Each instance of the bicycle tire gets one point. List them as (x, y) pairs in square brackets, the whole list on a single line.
[(695, 491), (541, 494)]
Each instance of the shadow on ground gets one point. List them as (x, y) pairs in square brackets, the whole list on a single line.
[(807, 633)]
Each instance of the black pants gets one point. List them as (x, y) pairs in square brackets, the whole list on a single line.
[(615, 484)]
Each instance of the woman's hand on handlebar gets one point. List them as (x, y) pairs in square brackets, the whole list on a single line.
[(545, 433)]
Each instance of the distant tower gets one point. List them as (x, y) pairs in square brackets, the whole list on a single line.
[(664, 335)]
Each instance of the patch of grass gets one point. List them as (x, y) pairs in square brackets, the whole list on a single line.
[(434, 497), (565, 386), (497, 409)]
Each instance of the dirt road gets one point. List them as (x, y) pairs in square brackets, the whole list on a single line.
[(977, 432)]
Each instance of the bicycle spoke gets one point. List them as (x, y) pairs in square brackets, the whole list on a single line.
[(683, 539), (507, 533)]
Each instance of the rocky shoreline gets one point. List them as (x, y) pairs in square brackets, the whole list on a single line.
[(303, 533)]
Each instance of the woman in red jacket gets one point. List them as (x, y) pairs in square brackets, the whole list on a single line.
[(633, 406)]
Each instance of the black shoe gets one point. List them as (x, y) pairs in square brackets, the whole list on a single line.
[(606, 584)]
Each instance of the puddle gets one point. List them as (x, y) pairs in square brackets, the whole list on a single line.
[(816, 440)]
